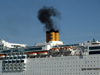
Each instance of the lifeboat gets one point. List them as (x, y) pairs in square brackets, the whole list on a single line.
[(2, 56), (66, 49), (43, 53), (53, 50), (32, 53)]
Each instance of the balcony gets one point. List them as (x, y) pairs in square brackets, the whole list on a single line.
[(18, 68), (6, 64), (23, 68), (14, 69), (5, 69), (18, 61), (22, 65), (5, 61), (13, 64), (17, 64), (10, 69)]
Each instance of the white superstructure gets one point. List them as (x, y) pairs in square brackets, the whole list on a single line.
[(7, 45), (52, 58)]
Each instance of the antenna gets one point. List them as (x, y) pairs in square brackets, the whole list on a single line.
[(93, 39)]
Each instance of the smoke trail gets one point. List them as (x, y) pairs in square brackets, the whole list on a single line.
[(45, 14)]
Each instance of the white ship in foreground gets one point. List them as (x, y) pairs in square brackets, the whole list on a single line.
[(50, 58)]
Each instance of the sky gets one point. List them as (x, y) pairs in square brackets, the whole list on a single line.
[(79, 22)]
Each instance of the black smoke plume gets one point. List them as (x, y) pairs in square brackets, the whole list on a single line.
[(45, 14)]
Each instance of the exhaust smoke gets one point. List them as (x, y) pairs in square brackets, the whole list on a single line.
[(45, 14)]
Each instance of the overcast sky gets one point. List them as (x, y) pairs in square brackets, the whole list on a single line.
[(80, 20)]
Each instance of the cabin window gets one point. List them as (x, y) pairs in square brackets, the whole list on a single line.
[(18, 61), (13, 61), (15, 57), (93, 48), (19, 57), (1, 48), (5, 61), (23, 56), (11, 57), (1, 45), (7, 57), (94, 52), (15, 50), (9, 61), (22, 60)]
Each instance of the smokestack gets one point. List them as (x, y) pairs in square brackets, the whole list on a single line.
[(44, 15), (52, 35), (56, 35), (47, 36)]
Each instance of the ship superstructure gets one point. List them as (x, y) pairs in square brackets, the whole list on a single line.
[(50, 58)]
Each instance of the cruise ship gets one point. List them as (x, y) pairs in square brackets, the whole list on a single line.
[(50, 58)]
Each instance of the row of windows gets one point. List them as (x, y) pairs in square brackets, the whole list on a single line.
[(1, 48), (88, 73), (92, 61), (93, 48), (67, 63), (24, 53), (70, 66), (90, 69), (1, 45), (51, 59), (15, 64), (14, 61), (14, 68), (56, 63), (19, 57), (55, 70), (55, 74), (21, 50), (94, 52), (66, 45)]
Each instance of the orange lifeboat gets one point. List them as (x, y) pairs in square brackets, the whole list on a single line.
[(53, 50), (62, 48), (32, 53), (2, 56), (57, 49), (65, 49), (43, 53)]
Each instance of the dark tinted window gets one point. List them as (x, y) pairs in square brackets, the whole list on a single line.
[(94, 52), (7, 57), (11, 57), (9, 61), (22, 60), (15, 57), (15, 50), (5, 61), (23, 56), (19, 57), (13, 61), (93, 48), (18, 61)]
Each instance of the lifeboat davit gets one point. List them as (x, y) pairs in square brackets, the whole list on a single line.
[(32, 53), (2, 56), (43, 53)]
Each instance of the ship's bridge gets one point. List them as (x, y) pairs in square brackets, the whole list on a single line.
[(93, 47)]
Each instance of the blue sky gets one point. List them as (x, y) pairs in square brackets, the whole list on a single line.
[(80, 20)]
